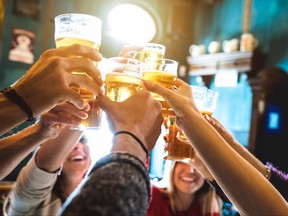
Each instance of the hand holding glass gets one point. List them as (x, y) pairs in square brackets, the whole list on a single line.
[(178, 147), (164, 72), (74, 28)]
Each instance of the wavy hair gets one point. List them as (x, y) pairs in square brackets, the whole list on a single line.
[(206, 195)]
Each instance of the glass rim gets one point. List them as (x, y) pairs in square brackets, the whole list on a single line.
[(162, 59), (78, 14), (125, 58), (153, 44)]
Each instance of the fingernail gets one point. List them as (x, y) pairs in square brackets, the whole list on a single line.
[(207, 117)]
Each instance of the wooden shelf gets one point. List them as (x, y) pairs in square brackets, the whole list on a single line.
[(209, 64)]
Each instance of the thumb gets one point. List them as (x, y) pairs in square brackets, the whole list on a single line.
[(105, 102)]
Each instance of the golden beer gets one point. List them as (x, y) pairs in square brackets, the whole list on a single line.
[(60, 42), (150, 50), (119, 86), (165, 79), (123, 78), (175, 148)]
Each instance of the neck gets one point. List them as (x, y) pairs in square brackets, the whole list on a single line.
[(69, 184), (183, 201)]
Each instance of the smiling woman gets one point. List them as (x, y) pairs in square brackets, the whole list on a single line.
[(42, 186), (133, 23), (185, 193)]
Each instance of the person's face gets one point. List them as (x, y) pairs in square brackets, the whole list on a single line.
[(186, 178), (78, 161)]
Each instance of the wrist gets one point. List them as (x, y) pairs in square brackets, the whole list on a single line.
[(126, 143), (14, 110), (13, 96)]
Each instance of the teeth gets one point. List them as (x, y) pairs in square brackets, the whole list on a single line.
[(189, 179), (77, 157)]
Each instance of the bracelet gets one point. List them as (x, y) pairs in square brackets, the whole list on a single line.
[(11, 94), (135, 137), (268, 173)]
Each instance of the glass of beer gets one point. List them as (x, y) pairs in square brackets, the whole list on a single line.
[(84, 29), (205, 100), (176, 149), (164, 72), (123, 77), (210, 102), (150, 50)]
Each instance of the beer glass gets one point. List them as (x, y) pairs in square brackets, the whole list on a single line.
[(164, 72), (178, 146), (84, 29), (210, 102), (176, 149), (123, 77), (205, 100), (150, 50)]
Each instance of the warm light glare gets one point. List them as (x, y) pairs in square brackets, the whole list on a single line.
[(99, 140), (131, 23)]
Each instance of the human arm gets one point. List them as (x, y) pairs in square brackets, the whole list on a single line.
[(16, 147), (47, 83), (227, 166), (229, 138), (36, 180), (119, 182)]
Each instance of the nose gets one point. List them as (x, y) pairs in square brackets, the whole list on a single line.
[(191, 169), (78, 146)]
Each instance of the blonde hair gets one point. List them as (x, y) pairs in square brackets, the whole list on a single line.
[(206, 195)]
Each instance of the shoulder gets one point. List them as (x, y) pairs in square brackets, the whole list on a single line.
[(159, 196), (159, 202)]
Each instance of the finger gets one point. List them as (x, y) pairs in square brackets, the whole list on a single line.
[(209, 119), (105, 102), (83, 81), (71, 109), (179, 83), (84, 67), (157, 88), (75, 99)]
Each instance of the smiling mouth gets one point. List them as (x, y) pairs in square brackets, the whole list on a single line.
[(77, 158), (188, 179)]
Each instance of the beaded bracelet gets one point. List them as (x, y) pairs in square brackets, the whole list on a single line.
[(135, 137), (268, 173), (12, 95)]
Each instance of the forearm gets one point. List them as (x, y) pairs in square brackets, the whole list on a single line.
[(11, 114), (53, 152), (230, 169), (126, 143), (33, 186), (15, 148), (118, 176), (249, 157)]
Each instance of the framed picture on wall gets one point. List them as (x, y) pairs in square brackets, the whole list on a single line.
[(22, 46), (30, 8)]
